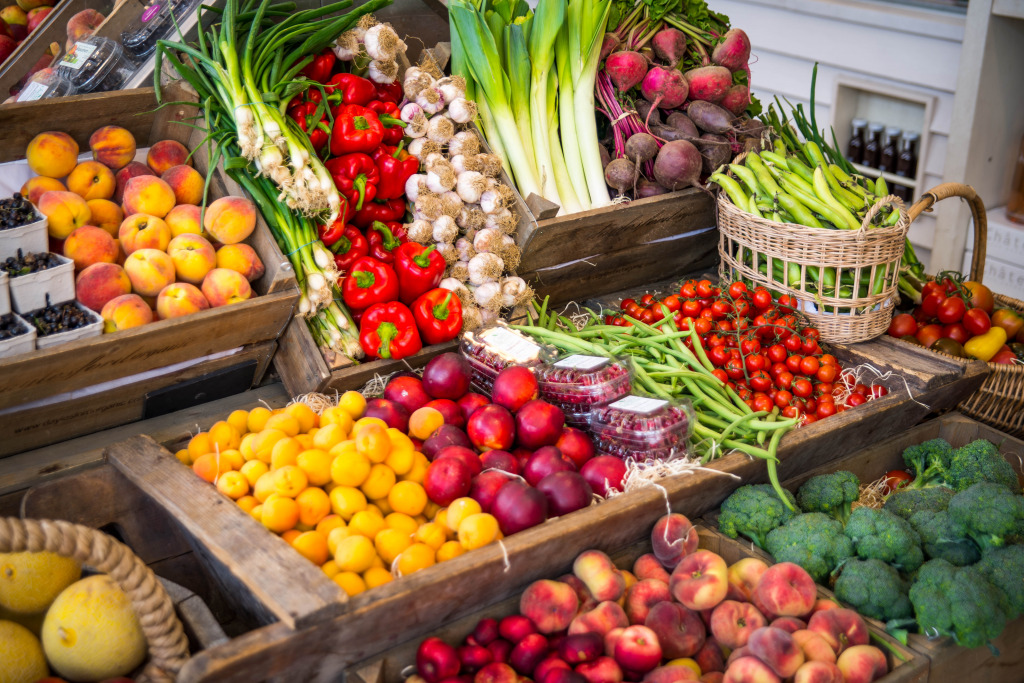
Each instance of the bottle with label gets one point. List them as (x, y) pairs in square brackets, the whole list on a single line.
[(873, 146), (855, 150), (1015, 207), (890, 151), (155, 23)]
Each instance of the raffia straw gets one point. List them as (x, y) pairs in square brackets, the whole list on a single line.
[(872, 495), (317, 402)]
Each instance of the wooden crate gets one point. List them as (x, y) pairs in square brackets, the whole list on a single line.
[(57, 373), (388, 666)]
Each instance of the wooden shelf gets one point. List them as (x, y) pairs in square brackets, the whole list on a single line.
[(890, 178), (1013, 9)]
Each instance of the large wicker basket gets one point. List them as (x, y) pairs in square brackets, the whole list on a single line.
[(168, 646), (1000, 400), (746, 241)]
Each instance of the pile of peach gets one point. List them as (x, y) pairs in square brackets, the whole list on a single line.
[(682, 614), (134, 231), (343, 489)]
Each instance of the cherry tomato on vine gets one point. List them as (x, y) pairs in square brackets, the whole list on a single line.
[(929, 334), (718, 355), (825, 409), (783, 398), (704, 289), (956, 332), (902, 325), (777, 353), (762, 299), (809, 366), (951, 310), (672, 302), (760, 381), (702, 326), (802, 388), (688, 290), (737, 289), (762, 403), (626, 303), (810, 347), (930, 287), (981, 296), (647, 299), (690, 308), (824, 389), (930, 304), (855, 400), (754, 362), (734, 368), (784, 380), (750, 346), (827, 359), (826, 374), (790, 412), (645, 316), (793, 343), (719, 373), (977, 322), (793, 363)]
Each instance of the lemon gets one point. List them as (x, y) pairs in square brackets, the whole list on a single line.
[(29, 582), (21, 654), (92, 633)]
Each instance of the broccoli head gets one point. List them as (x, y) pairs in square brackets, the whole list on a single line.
[(905, 502), (874, 589), (1004, 569), (989, 513), (814, 541), (958, 602), (881, 535), (831, 494), (942, 539), (929, 462), (980, 461), (754, 511)]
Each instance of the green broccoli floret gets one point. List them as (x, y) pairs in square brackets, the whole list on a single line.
[(814, 541), (905, 502), (942, 539), (831, 494), (1004, 569), (929, 462), (958, 602), (881, 535), (980, 461), (754, 511), (874, 589), (989, 513)]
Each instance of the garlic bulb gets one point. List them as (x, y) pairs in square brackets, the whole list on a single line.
[(429, 206), (486, 240), (491, 200), (417, 128), (346, 47), (420, 231), (429, 100), (502, 221), (445, 231), (430, 157), (514, 291), (448, 251), (465, 249), (409, 112), (470, 186), (472, 318), (415, 82), (462, 110), (452, 203), (415, 184), (471, 218), (458, 163), (440, 177), (459, 270), (440, 129), (466, 143), (382, 71), (491, 165), (488, 295), (485, 268), (488, 317), (452, 88), (382, 43), (453, 285)]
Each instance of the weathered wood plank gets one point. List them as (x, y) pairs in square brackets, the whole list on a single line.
[(299, 361)]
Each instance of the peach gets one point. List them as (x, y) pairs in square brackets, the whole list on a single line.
[(101, 282), (700, 580), (841, 628), (823, 604), (147, 194), (106, 215), (785, 590), (186, 183), (193, 257), (52, 154), (680, 631), (166, 154), (862, 664), (82, 25), (672, 539), (596, 571), (92, 180), (132, 170), (112, 146), (637, 649), (710, 657), (65, 212), (749, 670), (89, 245), (630, 580), (816, 648), (732, 623), (150, 270), (551, 605), (611, 638), (142, 231), (777, 649), (222, 287), (670, 673), (124, 312), (712, 677), (581, 647), (34, 188), (818, 672), (648, 567), (643, 596), (743, 577), (241, 258), (230, 219), (604, 669), (587, 601), (515, 627), (184, 218), (602, 619), (178, 299), (789, 624)]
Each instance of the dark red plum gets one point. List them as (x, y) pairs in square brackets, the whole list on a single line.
[(566, 492), (545, 461), (519, 506), (394, 414)]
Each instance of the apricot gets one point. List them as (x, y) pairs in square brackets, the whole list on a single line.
[(230, 219), (106, 215), (178, 299), (186, 183), (112, 146), (89, 245), (132, 170), (125, 312), (92, 180), (34, 188), (150, 270), (101, 282), (52, 154), (193, 257), (241, 258), (142, 231), (65, 212), (222, 287), (148, 194), (166, 154)]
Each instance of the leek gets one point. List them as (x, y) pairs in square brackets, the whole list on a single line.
[(586, 24), (567, 119), (548, 18)]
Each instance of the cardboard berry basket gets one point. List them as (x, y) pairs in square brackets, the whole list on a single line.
[(84, 386)]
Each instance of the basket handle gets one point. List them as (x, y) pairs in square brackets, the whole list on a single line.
[(168, 646), (946, 190), (876, 207)]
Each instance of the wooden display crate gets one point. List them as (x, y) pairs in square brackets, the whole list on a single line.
[(248, 329), (949, 661)]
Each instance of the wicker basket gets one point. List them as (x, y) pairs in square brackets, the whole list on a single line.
[(743, 236), (1000, 400), (168, 646)]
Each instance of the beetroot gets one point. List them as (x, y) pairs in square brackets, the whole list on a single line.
[(669, 134), (626, 69), (734, 50), (681, 121), (710, 117), (708, 83), (641, 147), (665, 88), (648, 112), (619, 174), (715, 151), (669, 45), (606, 157), (608, 45), (736, 99), (678, 165), (648, 188)]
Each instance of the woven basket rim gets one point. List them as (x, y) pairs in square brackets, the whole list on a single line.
[(903, 225)]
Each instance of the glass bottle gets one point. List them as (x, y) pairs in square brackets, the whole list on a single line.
[(890, 151), (855, 150), (1015, 207), (906, 163), (873, 147)]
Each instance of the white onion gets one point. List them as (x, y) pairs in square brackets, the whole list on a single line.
[(445, 231), (461, 110), (470, 186)]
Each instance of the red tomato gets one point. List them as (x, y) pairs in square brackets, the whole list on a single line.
[(626, 303), (808, 418), (720, 309), (809, 366), (826, 373), (704, 289), (1004, 357), (688, 290), (802, 388), (718, 355), (762, 403), (862, 389), (777, 353), (981, 296), (825, 409), (855, 400), (977, 322), (672, 302), (793, 363), (647, 299), (737, 289), (878, 391), (719, 373), (828, 359), (690, 308), (931, 286), (778, 368), (952, 310), (705, 313), (928, 334), (783, 399), (902, 325), (702, 326), (784, 380), (792, 342), (754, 363), (657, 312), (810, 347), (897, 479), (810, 333), (646, 316), (760, 381), (790, 412), (734, 368), (742, 307), (956, 332), (824, 389), (930, 304), (762, 298)]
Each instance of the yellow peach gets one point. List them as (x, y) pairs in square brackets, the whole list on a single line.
[(34, 188), (185, 219), (148, 194), (222, 287), (186, 183), (193, 257), (125, 312), (230, 219), (52, 154), (241, 258), (106, 214), (133, 169), (178, 299), (112, 146), (101, 282), (89, 245), (150, 270), (165, 154), (92, 180), (142, 231), (65, 212)]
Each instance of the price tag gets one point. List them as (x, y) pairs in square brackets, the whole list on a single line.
[(639, 405), (511, 345), (33, 91), (150, 12), (77, 56), (580, 362)]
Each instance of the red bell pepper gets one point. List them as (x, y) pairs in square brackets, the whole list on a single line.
[(389, 115), (369, 282), (384, 239), (419, 270), (396, 166), (353, 89), (389, 331), (356, 129), (391, 210), (356, 177), (315, 127), (320, 68), (389, 92), (346, 242), (438, 314)]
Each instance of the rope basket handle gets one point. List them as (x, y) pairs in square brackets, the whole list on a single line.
[(168, 646), (966, 192)]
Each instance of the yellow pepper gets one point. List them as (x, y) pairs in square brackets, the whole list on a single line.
[(984, 346)]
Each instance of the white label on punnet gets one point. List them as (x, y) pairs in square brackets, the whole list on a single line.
[(639, 404), (33, 91), (582, 362), (78, 56), (511, 345)]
